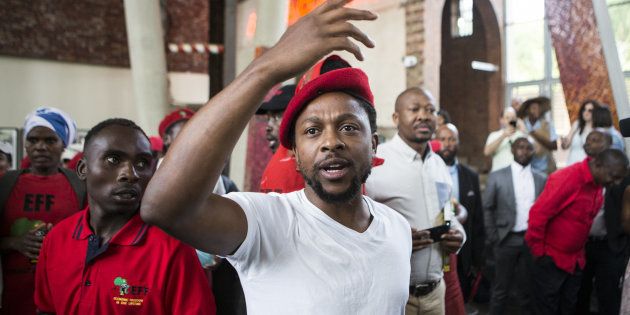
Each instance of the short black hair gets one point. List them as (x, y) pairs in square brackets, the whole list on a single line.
[(445, 115), (612, 157), (369, 109), (122, 122)]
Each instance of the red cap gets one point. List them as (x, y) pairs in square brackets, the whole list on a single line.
[(315, 83), (173, 117), (156, 143)]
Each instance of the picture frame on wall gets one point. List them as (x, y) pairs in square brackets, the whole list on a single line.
[(10, 141)]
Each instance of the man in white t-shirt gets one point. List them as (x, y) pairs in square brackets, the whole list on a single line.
[(499, 143), (325, 249)]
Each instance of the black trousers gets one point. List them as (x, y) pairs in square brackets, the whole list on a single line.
[(555, 290), (513, 265), (607, 269)]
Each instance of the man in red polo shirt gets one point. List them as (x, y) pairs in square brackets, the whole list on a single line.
[(559, 224), (105, 259)]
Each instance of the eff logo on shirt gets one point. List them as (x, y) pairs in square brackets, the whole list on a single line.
[(123, 289)]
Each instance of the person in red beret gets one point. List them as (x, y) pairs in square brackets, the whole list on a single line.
[(325, 249), (171, 124)]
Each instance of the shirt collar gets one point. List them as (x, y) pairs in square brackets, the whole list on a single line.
[(132, 233), (453, 168), (407, 151), (517, 168), (586, 171)]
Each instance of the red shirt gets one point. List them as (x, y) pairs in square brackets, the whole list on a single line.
[(281, 174), (34, 198), (142, 270), (561, 217)]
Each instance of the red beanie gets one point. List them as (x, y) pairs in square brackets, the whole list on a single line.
[(314, 83), (174, 117)]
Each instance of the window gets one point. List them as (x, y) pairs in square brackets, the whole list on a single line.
[(461, 18), (619, 10)]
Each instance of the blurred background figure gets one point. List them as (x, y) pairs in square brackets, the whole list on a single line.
[(532, 112), (576, 138), (6, 157), (499, 142)]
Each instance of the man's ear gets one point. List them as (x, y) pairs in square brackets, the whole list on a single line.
[(297, 158), (395, 118), (82, 169), (374, 142)]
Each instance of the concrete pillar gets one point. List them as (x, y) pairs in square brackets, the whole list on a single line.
[(271, 22), (145, 38)]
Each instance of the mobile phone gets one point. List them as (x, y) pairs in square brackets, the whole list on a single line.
[(436, 232)]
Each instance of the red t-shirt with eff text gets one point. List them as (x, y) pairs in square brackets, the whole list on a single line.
[(34, 200)]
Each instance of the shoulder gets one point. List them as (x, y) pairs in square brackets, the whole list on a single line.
[(66, 227), (386, 150), (467, 170), (501, 172), (539, 175), (388, 213)]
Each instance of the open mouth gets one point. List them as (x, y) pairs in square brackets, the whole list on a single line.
[(334, 169), (126, 194)]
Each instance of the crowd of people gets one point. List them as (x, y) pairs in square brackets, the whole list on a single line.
[(340, 225)]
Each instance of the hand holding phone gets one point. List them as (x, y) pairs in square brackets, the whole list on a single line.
[(436, 232)]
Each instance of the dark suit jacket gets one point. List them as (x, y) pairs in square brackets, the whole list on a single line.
[(471, 253), (617, 239), (499, 203)]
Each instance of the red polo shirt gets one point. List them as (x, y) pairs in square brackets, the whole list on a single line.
[(561, 217), (281, 174), (142, 270)]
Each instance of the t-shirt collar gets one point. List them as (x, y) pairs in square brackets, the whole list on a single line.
[(132, 233)]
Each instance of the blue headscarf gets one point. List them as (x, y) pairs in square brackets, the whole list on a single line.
[(55, 120)]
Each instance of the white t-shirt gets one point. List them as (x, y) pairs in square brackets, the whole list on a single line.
[(295, 259)]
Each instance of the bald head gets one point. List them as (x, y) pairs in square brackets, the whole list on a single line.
[(415, 91)]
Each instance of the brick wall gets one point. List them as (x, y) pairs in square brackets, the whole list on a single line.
[(414, 12), (94, 32)]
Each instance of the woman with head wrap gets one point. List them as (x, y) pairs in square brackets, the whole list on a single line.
[(32, 200)]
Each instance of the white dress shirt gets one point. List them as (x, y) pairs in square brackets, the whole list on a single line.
[(524, 194), (419, 190)]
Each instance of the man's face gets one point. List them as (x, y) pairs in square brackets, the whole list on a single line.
[(334, 147), (171, 134), (449, 144), (523, 151), (5, 164), (44, 149), (608, 175), (271, 131), (534, 111), (117, 167), (595, 143), (415, 117)]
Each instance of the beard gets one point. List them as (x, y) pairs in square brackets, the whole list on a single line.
[(449, 158), (336, 198)]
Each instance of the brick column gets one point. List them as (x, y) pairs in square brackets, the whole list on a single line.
[(414, 13)]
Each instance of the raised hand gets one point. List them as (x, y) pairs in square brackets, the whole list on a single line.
[(324, 30)]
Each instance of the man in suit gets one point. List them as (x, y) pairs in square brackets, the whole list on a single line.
[(510, 193), (467, 197)]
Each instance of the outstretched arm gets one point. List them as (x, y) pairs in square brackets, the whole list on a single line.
[(177, 199)]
